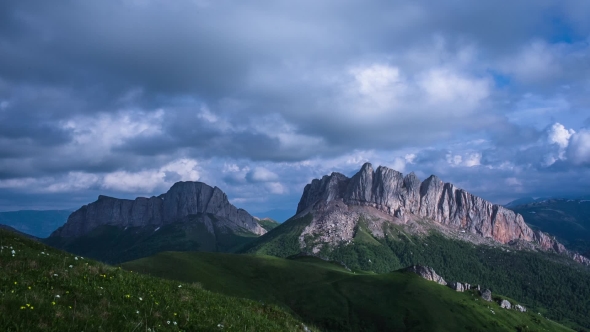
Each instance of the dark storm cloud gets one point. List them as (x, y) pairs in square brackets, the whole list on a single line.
[(89, 89)]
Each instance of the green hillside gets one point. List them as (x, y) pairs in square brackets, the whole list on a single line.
[(267, 223), (539, 279), (567, 219), (44, 289), (113, 245), (335, 299)]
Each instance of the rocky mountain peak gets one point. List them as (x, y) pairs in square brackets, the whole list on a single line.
[(405, 198), (181, 200)]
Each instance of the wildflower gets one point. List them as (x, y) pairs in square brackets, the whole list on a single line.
[(28, 305), (15, 282), (53, 302), (71, 266), (179, 286), (127, 296), (13, 252), (168, 322), (220, 325), (140, 299), (70, 306), (29, 287), (175, 314), (22, 307), (55, 274), (174, 323), (76, 258), (67, 292), (137, 312), (57, 296), (32, 307)]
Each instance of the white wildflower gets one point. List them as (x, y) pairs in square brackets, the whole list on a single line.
[(179, 286), (76, 258), (71, 266), (55, 274), (168, 322), (137, 312), (140, 299), (174, 323), (57, 296)]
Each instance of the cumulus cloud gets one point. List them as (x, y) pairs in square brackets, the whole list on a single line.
[(579, 147), (261, 174)]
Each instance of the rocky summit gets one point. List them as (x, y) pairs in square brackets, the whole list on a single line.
[(182, 200), (385, 195)]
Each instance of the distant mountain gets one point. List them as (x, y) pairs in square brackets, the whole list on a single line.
[(267, 223), (38, 223), (568, 219), (190, 216), (15, 231)]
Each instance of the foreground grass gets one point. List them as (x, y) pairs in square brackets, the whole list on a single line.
[(49, 290), (335, 299)]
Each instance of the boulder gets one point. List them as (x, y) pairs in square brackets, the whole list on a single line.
[(459, 286), (505, 304), (487, 295), (426, 273), (520, 308)]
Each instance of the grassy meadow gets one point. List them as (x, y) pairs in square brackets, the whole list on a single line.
[(332, 298), (44, 289)]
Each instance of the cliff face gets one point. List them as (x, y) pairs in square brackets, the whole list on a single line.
[(181, 200), (405, 197)]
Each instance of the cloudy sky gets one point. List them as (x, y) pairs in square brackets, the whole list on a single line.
[(126, 97)]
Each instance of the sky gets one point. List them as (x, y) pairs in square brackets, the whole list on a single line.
[(126, 97)]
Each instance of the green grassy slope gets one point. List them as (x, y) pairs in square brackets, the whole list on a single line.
[(114, 245), (538, 279), (334, 299), (268, 223), (44, 289)]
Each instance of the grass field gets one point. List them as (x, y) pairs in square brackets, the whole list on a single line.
[(44, 289), (335, 299)]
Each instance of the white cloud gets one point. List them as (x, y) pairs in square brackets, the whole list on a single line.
[(261, 174), (448, 86), (579, 148), (559, 135), (149, 180)]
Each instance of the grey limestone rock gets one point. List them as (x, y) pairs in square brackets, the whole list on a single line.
[(427, 273), (459, 286), (487, 295), (182, 200), (520, 308), (403, 197), (505, 304)]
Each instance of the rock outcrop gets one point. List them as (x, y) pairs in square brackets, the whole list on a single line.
[(459, 286), (520, 308), (406, 198), (487, 295), (505, 304), (182, 200), (426, 273)]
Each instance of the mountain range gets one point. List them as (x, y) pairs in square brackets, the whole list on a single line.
[(378, 220)]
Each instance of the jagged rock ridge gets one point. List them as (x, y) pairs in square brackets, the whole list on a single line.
[(182, 200), (406, 197)]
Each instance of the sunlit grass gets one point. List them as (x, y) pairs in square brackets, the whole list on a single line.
[(46, 289)]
